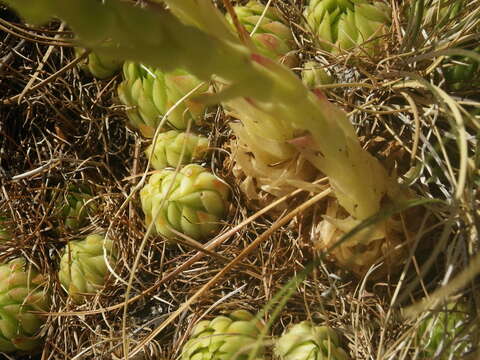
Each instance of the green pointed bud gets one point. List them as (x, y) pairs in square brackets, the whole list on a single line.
[(150, 93), (175, 148), (314, 75), (99, 66), (439, 334), (231, 337), (83, 266), (273, 38), (192, 201), (22, 290), (75, 206), (305, 341), (346, 24)]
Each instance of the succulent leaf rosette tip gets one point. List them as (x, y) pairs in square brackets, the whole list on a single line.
[(22, 292), (174, 148), (306, 341)]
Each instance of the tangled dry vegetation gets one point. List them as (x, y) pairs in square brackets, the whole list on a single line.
[(60, 127)]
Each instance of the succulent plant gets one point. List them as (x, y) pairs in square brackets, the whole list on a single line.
[(231, 337), (150, 93), (440, 334), (75, 205), (170, 145), (305, 341), (21, 292), (313, 75), (346, 24), (100, 66), (192, 201), (83, 267), (273, 38), (464, 72)]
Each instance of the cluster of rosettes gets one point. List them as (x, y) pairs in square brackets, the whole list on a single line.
[(238, 336), (83, 271), (193, 201), (150, 95), (225, 337)]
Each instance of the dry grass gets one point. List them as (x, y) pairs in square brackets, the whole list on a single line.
[(60, 127)]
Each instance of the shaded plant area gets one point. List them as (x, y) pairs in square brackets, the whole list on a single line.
[(62, 130)]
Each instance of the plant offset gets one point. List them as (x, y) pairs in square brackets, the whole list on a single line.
[(311, 162)]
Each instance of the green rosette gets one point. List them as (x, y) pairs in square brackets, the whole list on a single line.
[(463, 72), (83, 266), (440, 335), (21, 292), (192, 201), (272, 37), (99, 66), (74, 206), (149, 93), (169, 146), (231, 337), (346, 24), (305, 341)]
